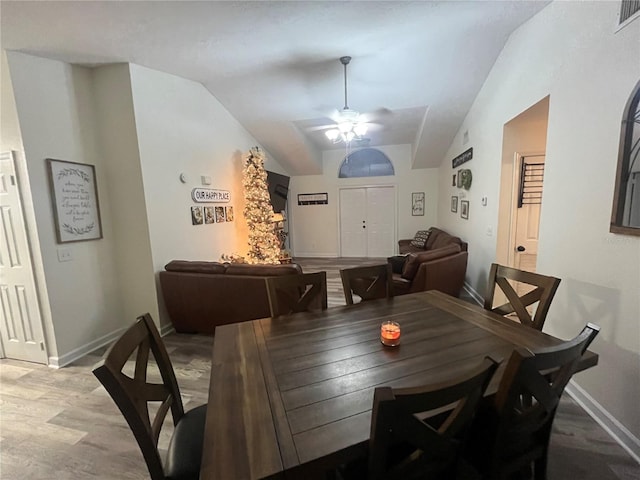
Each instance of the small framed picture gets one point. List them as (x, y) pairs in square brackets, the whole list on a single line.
[(196, 215), (453, 181), (459, 183), (454, 204), (220, 217), (208, 215), (417, 204), (229, 213), (464, 209)]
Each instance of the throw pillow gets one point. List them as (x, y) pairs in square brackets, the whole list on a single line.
[(420, 239)]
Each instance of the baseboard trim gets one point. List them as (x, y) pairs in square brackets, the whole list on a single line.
[(76, 353), (166, 329), (314, 255), (611, 425), (473, 294)]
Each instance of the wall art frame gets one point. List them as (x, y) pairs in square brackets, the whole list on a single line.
[(417, 204), (76, 207), (464, 209), (454, 204)]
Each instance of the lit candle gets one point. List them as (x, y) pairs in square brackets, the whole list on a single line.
[(390, 333)]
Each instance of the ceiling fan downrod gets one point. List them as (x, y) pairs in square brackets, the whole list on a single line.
[(345, 61)]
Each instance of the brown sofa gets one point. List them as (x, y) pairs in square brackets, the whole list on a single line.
[(440, 265), (202, 295)]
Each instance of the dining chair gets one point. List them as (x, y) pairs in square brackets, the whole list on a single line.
[(132, 395), (511, 434), (545, 288), (418, 432), (297, 293), (368, 282)]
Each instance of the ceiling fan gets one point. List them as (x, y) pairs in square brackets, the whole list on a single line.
[(349, 124)]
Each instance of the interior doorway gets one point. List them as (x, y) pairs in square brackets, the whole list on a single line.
[(21, 330), (522, 187), (367, 221)]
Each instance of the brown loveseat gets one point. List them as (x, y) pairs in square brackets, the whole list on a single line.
[(440, 265), (202, 295)]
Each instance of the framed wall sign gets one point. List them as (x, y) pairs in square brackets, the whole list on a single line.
[(462, 158), (454, 204), (417, 204), (313, 199), (75, 201)]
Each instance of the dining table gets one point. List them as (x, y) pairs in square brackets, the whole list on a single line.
[(291, 396)]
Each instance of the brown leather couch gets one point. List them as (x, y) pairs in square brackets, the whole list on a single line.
[(202, 295), (441, 265)]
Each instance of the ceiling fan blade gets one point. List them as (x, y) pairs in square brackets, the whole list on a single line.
[(321, 127)]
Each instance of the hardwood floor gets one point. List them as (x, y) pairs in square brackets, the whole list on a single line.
[(62, 424)]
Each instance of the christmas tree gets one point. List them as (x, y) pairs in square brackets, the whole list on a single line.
[(264, 246)]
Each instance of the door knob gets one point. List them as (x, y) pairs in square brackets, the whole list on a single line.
[(520, 248)]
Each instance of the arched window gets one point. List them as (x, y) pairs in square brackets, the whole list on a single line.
[(625, 217), (366, 162)]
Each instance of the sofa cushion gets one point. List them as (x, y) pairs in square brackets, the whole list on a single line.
[(420, 239), (414, 260), (195, 267), (444, 239), (263, 270)]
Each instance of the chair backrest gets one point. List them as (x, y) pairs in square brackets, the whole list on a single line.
[(432, 440), (132, 394), (368, 282), (297, 293), (545, 289), (527, 400)]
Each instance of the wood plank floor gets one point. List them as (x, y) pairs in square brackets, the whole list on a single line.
[(62, 424)]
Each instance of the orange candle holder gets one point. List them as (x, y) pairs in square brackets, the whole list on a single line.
[(390, 333)]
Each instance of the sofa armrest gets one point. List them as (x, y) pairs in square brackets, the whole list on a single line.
[(445, 274)]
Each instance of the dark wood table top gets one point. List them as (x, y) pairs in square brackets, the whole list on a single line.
[(292, 396)]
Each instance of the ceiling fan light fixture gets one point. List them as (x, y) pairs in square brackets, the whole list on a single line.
[(360, 129), (332, 134), (345, 127), (348, 126)]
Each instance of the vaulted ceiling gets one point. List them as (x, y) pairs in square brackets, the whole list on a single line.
[(416, 68)]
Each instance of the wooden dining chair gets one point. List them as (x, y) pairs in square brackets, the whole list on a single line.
[(132, 395), (297, 293), (511, 435), (545, 288), (419, 432), (368, 282)]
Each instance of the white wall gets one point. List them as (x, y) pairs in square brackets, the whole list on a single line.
[(141, 129), (121, 157), (315, 228), (55, 108), (182, 128), (571, 52)]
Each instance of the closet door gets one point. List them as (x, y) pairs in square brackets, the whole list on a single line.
[(367, 222), (353, 219), (380, 221)]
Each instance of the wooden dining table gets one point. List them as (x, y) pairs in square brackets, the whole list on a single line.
[(291, 397)]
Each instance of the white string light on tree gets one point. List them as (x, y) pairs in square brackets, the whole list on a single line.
[(264, 245)]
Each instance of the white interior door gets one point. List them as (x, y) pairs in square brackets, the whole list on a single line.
[(367, 221), (380, 222), (527, 221), (20, 322), (353, 219)]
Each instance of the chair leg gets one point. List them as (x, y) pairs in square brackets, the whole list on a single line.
[(540, 468)]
